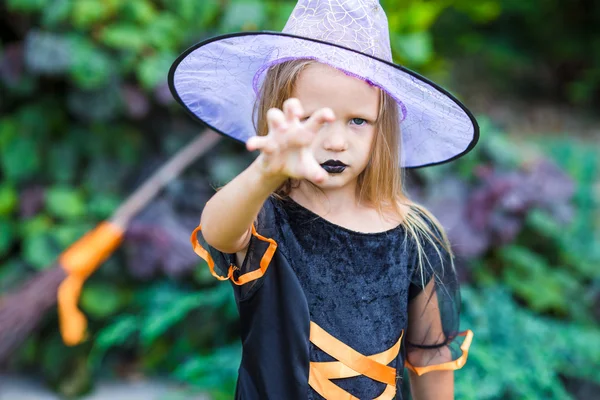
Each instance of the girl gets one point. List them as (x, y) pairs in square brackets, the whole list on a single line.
[(341, 280)]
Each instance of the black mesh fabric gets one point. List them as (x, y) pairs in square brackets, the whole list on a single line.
[(434, 298)]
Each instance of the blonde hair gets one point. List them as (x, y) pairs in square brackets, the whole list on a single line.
[(381, 183)]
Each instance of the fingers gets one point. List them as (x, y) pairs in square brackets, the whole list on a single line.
[(262, 143), (292, 109), (320, 117), (276, 120), (314, 173)]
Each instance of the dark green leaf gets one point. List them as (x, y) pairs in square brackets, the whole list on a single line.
[(40, 250), (7, 236), (27, 5), (63, 162), (56, 13), (139, 11), (20, 158), (102, 205)]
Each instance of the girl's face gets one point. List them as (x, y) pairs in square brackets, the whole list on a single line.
[(350, 137)]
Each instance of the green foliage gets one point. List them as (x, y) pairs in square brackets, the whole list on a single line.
[(542, 47), (518, 355)]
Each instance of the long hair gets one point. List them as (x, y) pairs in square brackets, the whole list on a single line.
[(381, 183)]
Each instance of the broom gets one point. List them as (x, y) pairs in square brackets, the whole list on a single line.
[(21, 311)]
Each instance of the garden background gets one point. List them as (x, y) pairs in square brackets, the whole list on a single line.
[(86, 115)]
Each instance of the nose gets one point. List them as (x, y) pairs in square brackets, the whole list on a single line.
[(335, 140)]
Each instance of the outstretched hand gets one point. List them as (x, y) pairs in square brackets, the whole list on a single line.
[(286, 149)]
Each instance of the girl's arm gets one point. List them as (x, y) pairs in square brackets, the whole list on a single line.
[(285, 153), (228, 216), (436, 385), (425, 327)]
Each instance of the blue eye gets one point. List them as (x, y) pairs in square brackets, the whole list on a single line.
[(359, 121)]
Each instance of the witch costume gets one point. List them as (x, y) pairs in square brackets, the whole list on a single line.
[(323, 308)]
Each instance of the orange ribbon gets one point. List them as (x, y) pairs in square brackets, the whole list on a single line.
[(79, 261), (450, 365), (248, 276), (350, 363)]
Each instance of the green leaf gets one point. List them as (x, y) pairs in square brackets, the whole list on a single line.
[(27, 6), (415, 48), (165, 32), (117, 332), (153, 70), (63, 161), (123, 36), (526, 272), (89, 12), (101, 300), (66, 235), (57, 13), (102, 205), (90, 67), (9, 128), (199, 13), (40, 250), (215, 370), (139, 11), (279, 13), (8, 199), (7, 236), (65, 202), (244, 15), (420, 16), (20, 158), (160, 320), (482, 11), (41, 223)]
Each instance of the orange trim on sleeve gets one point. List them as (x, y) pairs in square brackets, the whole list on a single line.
[(248, 276), (351, 363), (79, 261), (450, 365)]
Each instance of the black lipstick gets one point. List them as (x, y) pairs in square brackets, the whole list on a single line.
[(334, 166)]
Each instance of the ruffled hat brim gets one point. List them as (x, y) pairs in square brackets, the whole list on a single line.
[(217, 81)]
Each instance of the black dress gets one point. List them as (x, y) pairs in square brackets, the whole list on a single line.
[(355, 286)]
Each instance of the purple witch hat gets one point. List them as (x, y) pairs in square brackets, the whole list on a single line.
[(218, 80)]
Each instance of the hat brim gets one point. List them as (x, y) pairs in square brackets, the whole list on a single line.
[(215, 81)]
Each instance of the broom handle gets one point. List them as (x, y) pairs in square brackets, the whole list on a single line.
[(145, 193)]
